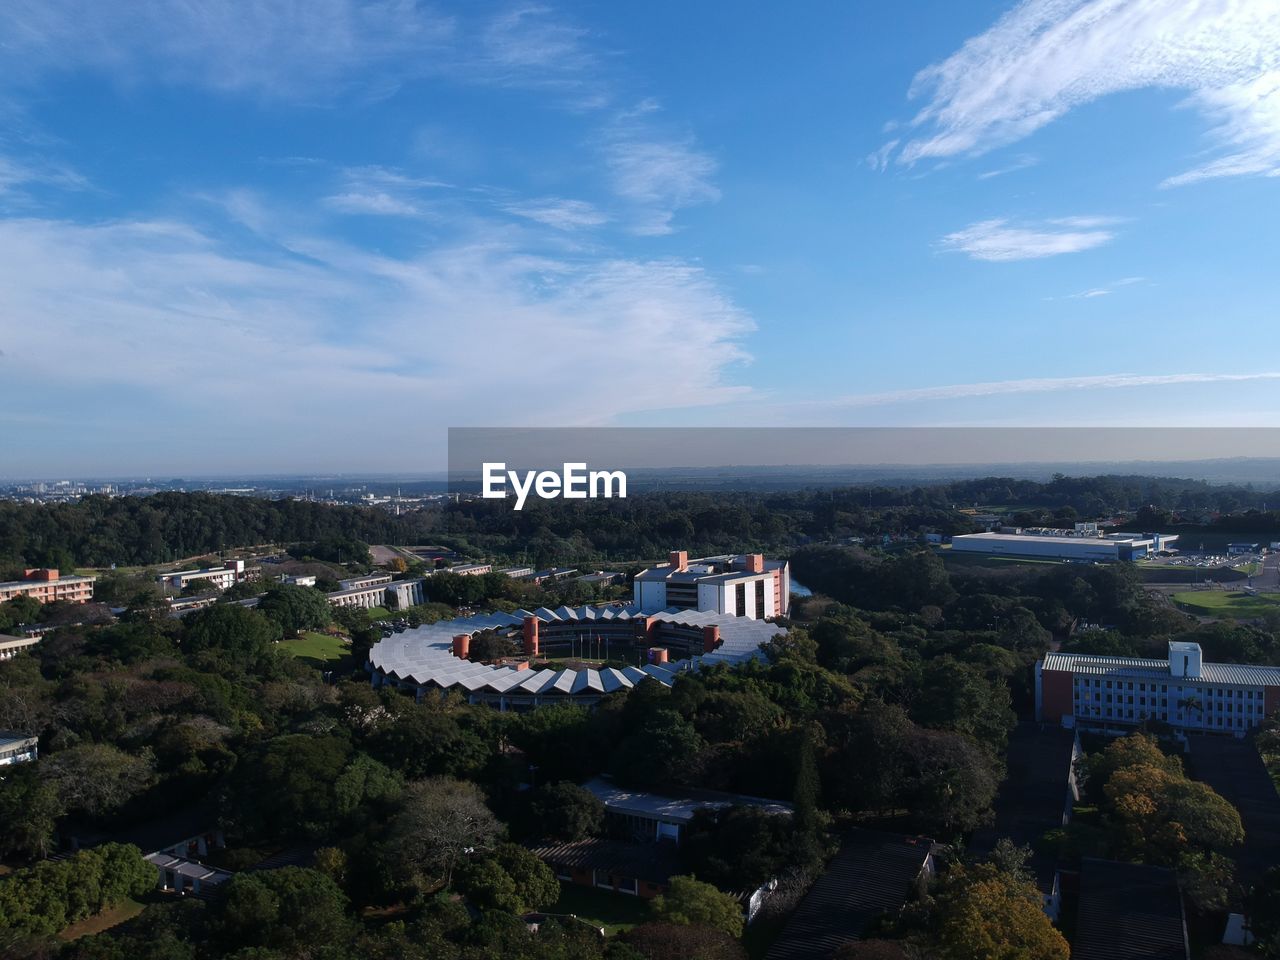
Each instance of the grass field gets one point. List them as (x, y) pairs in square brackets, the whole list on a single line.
[(600, 908), (379, 613), (102, 921), (318, 649), (1223, 603)]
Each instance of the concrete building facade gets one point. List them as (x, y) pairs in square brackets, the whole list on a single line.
[(740, 586), (47, 586), (1182, 690)]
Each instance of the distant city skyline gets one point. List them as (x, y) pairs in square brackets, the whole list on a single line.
[(286, 239)]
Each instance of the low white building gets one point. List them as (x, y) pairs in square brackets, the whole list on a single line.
[(219, 577), (10, 647), (1083, 544)]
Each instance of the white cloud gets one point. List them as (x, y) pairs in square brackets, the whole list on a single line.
[(275, 48), (371, 204), (1043, 385), (1046, 57), (1021, 162), (16, 174), (659, 177), (1103, 291), (559, 213), (999, 240), (286, 353)]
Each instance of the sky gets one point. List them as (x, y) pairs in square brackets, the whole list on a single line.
[(272, 236)]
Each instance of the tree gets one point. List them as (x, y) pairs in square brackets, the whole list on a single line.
[(690, 902), (231, 629), (741, 847), (29, 809), (296, 608), (489, 645), (957, 696), (96, 778), (441, 820), (567, 811), (510, 879), (289, 787), (663, 750), (293, 910), (982, 913), (1263, 911), (675, 941)]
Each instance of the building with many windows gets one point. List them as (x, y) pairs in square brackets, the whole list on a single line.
[(741, 586), (17, 748), (1182, 690), (48, 586)]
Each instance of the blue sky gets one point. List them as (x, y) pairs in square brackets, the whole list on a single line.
[(266, 236)]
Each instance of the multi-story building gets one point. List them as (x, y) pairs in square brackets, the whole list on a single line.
[(219, 578), (17, 748), (46, 585), (1183, 691), (369, 580), (743, 586)]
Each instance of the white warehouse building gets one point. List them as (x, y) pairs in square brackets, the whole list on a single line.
[(1084, 544)]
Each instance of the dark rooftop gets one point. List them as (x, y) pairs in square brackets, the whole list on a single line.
[(655, 862), (871, 875), (1033, 797), (1128, 912), (1234, 769)]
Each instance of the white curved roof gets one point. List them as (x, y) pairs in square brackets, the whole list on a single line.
[(425, 654)]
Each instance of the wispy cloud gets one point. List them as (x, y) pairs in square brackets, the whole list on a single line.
[(1105, 289), (559, 213), (381, 191), (377, 204), (284, 50), (155, 311), (274, 48), (1021, 162), (995, 388), (1046, 57), (16, 174), (656, 173), (999, 240)]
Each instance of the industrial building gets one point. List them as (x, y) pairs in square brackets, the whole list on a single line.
[(742, 586), (1085, 544), (1183, 691), (47, 586)]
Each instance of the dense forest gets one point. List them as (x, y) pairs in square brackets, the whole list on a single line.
[(99, 531), (888, 704)]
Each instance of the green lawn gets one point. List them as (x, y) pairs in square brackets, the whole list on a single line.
[(601, 908), (1223, 603), (379, 613), (318, 649)]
